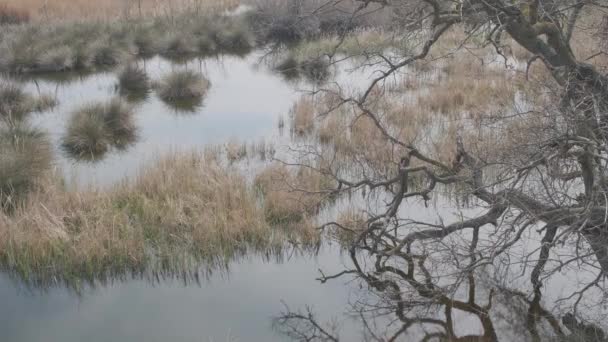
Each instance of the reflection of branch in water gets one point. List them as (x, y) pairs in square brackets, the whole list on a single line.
[(303, 326)]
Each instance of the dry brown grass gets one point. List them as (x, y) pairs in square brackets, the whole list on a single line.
[(108, 9), (236, 151), (302, 116), (350, 223), (292, 195), (186, 207)]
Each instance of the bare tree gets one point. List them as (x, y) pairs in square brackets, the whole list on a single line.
[(553, 181)]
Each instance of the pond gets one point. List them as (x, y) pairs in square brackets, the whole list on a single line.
[(243, 104), (237, 305)]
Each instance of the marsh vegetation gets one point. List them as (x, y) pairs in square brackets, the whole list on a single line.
[(455, 156), (183, 90), (97, 127)]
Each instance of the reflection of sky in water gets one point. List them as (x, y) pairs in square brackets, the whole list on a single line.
[(243, 103), (240, 306)]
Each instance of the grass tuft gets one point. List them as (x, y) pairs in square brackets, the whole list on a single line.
[(56, 60), (25, 156), (133, 82), (97, 127), (183, 89), (16, 104)]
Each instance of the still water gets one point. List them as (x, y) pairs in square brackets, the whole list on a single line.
[(244, 104), (230, 306)]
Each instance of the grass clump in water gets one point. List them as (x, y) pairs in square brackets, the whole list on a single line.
[(16, 104), (232, 36), (56, 60), (183, 90), (107, 55), (178, 45), (97, 127), (134, 82)]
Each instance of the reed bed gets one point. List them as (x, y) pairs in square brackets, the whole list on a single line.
[(96, 45), (183, 208), (44, 10)]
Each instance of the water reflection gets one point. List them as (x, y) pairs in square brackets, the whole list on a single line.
[(263, 97), (235, 306)]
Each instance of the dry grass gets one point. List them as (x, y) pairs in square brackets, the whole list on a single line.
[(350, 223), (12, 15), (185, 207), (182, 85), (99, 45), (95, 128), (133, 79), (292, 195), (16, 104), (302, 116), (25, 157), (107, 9), (236, 151)]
